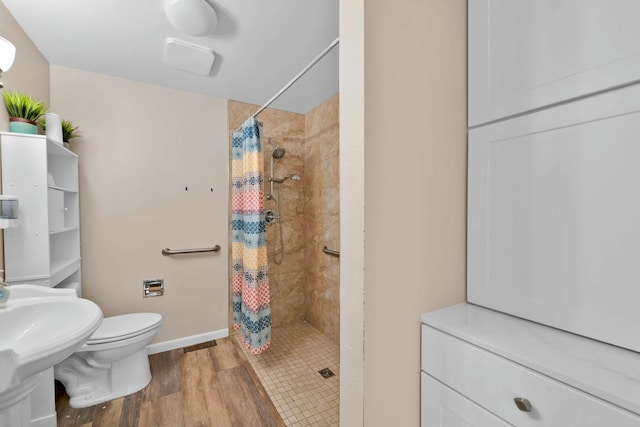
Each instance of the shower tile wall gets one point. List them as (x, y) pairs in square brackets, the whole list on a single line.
[(306, 286), (288, 279), (322, 218)]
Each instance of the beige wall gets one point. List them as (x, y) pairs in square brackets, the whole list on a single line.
[(30, 71), (141, 146), (352, 185), (414, 190), (321, 217)]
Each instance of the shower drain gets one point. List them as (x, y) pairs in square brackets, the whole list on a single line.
[(326, 373)]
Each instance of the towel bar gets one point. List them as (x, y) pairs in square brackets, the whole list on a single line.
[(167, 251)]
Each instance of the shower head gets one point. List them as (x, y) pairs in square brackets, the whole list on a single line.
[(278, 152)]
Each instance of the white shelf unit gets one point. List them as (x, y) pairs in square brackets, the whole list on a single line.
[(45, 247)]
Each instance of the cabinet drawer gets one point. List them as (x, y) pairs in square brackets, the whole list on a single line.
[(525, 55), (444, 407), (493, 382)]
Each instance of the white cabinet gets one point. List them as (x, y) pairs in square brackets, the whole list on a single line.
[(553, 225), (483, 360), (45, 247), (553, 229), (525, 55)]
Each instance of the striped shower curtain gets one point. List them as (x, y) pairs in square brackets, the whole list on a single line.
[(250, 278)]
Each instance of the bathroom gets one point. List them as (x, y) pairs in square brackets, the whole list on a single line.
[(402, 198)]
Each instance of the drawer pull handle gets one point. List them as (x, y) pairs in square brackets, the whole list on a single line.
[(523, 404)]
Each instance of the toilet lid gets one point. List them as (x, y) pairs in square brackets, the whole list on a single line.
[(116, 328)]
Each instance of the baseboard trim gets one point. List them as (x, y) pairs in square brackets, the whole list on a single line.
[(186, 341), (48, 421)]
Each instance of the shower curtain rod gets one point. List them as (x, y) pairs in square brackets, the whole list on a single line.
[(295, 79)]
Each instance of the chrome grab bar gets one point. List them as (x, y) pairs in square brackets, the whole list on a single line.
[(330, 252), (167, 251)]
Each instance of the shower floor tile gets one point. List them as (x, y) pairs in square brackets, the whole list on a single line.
[(288, 371)]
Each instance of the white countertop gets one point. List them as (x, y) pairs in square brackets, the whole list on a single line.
[(608, 372)]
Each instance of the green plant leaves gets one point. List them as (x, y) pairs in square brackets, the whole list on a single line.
[(22, 105), (68, 130)]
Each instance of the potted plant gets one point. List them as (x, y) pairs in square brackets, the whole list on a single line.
[(68, 130), (23, 111)]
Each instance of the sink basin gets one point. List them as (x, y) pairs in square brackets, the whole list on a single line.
[(38, 332)]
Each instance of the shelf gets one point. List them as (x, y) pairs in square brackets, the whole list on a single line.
[(55, 149), (61, 269), (32, 280), (63, 230), (67, 190)]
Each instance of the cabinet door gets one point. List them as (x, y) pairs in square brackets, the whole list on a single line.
[(444, 407), (24, 174), (554, 217), (528, 54)]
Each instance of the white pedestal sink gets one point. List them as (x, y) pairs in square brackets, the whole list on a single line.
[(36, 333)]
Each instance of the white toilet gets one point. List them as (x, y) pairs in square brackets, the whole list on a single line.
[(112, 363)]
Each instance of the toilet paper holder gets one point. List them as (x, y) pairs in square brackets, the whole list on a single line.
[(152, 288)]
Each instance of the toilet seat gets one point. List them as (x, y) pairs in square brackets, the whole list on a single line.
[(122, 327)]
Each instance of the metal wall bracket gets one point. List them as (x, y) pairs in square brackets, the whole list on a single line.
[(152, 288)]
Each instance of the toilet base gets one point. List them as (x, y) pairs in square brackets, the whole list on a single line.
[(89, 382)]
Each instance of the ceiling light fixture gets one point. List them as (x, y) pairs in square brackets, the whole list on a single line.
[(7, 55), (192, 17)]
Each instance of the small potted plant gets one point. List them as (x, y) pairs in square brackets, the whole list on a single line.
[(68, 130), (24, 111)]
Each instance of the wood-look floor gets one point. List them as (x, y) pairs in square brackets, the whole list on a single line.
[(215, 387)]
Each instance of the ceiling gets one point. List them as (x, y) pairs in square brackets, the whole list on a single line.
[(259, 45)]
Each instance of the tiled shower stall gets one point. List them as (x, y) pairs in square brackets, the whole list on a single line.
[(305, 287)]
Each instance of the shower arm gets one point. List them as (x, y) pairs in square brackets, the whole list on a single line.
[(276, 180)]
